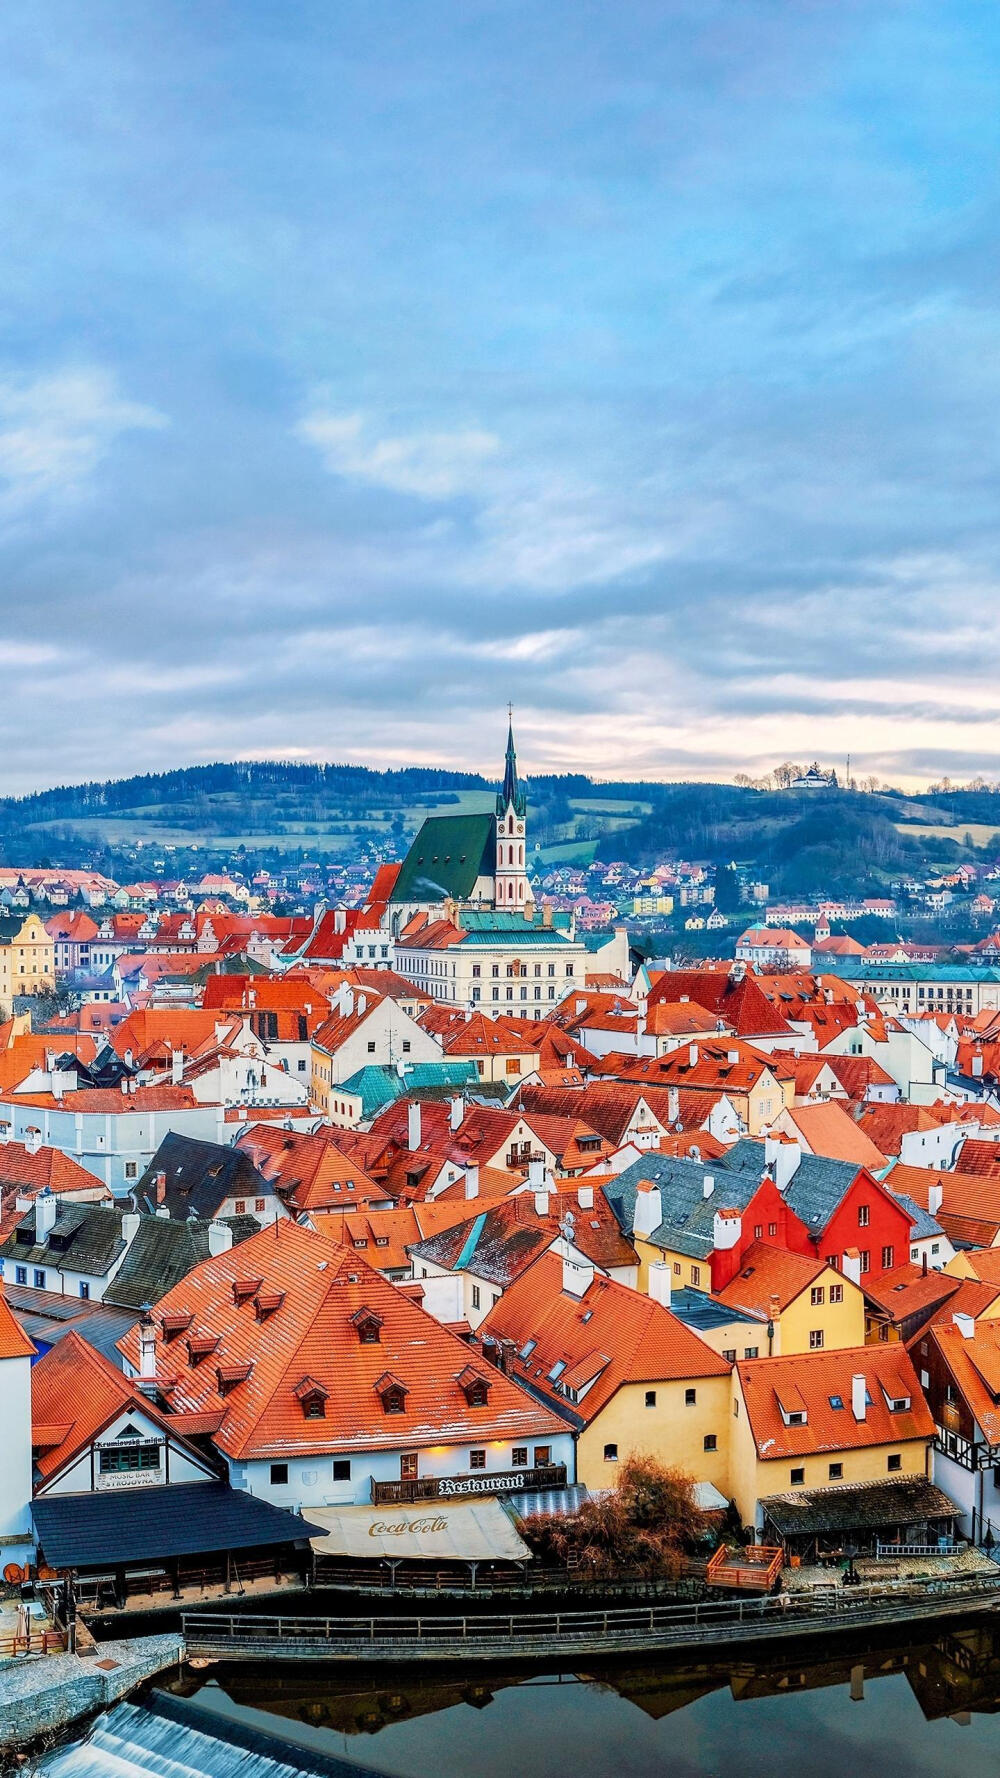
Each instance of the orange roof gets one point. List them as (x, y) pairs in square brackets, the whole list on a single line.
[(316, 1289), (311, 1171), (907, 1289), (611, 1332), (828, 1130), (979, 1157), (822, 1379), (768, 1272), (76, 1392), (13, 1342), (975, 1365), (109, 1101)]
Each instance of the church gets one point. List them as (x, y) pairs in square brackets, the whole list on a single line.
[(475, 859)]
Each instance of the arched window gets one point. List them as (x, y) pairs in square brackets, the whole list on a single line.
[(520, 851)]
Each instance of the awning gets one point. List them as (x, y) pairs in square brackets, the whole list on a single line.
[(708, 1499), (433, 1530), (143, 1524), (860, 1506)]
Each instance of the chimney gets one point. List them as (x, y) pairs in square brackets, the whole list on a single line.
[(57, 1086), (659, 1282), (345, 1001), (147, 1347), (46, 1208), (130, 1226), (456, 1111), (648, 1209), (32, 1140), (547, 915), (585, 1197), (851, 1265), (339, 920), (177, 1066), (692, 1055), (786, 1163), (966, 1325), (160, 1188), (732, 1057), (977, 1064), (541, 1197), (536, 1175), (726, 1230), (362, 1004), (774, 1307), (859, 1390), (220, 1238), (576, 1279), (472, 1180), (935, 1196), (413, 1124), (708, 1185), (673, 1105), (163, 1213)]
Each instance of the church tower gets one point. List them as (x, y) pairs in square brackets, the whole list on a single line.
[(512, 889)]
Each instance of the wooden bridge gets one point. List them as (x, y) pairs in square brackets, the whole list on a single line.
[(541, 1635)]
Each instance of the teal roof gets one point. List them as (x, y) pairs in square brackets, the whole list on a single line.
[(448, 855), (379, 1085), (495, 920), (857, 969), (515, 937)]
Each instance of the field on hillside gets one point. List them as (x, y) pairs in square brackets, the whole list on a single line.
[(987, 838)]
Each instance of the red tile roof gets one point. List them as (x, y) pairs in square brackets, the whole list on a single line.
[(818, 1380), (768, 1272), (310, 1334)]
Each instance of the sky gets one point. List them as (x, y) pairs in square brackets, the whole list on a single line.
[(364, 366)]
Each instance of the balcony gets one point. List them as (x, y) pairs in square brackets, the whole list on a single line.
[(479, 1481)]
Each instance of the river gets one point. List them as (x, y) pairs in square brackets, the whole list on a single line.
[(928, 1708)]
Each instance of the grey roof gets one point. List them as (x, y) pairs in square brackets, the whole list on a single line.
[(688, 1226), (924, 1224), (147, 1524), (47, 1318), (699, 1311), (200, 1176), (85, 1238), (859, 1506), (162, 1253)]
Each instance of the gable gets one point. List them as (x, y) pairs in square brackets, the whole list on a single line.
[(446, 859)]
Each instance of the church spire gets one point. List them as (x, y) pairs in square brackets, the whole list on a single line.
[(511, 794)]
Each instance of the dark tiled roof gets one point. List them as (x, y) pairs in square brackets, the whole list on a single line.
[(199, 1177), (146, 1524), (864, 1506), (162, 1253), (83, 1238)]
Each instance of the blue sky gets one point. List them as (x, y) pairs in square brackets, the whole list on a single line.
[(364, 366)]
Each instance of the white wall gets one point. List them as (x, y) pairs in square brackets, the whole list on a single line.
[(310, 1478), (15, 1457)]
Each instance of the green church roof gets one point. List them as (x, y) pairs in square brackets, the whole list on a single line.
[(448, 855)]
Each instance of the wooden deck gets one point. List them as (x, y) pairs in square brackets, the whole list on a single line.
[(542, 1635), (753, 1570)]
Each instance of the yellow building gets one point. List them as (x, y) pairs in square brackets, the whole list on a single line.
[(810, 1306), (27, 958), (627, 1374), (822, 1420)]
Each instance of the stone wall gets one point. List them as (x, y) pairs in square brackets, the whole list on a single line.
[(43, 1694)]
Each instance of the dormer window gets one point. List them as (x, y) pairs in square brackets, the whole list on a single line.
[(474, 1387), (245, 1289), (174, 1325), (369, 1325), (392, 1393), (313, 1398), (200, 1347), (229, 1376), (267, 1303)]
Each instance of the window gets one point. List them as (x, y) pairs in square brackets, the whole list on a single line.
[(836, 1472), (342, 1469), (836, 1293), (477, 1459), (815, 1339), (730, 1355), (39, 1280), (543, 1456), (862, 1216), (894, 1461), (690, 1397), (406, 1046), (611, 1453), (888, 1258), (20, 1274), (475, 1296), (797, 1478), (519, 1457), (371, 1049), (84, 1290), (710, 1442), (817, 1295), (866, 1260), (279, 1475), (836, 1402), (696, 1275), (241, 1206), (408, 1466), (314, 1407), (758, 1231), (122, 1459), (650, 1398), (750, 1351), (772, 1228), (131, 1169), (677, 1268)]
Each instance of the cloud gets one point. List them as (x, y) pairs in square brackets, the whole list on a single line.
[(56, 429), (433, 465)]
